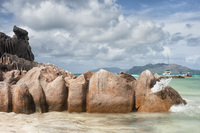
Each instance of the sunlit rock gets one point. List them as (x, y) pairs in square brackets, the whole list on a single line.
[(143, 87), (109, 93), (78, 89), (161, 101)]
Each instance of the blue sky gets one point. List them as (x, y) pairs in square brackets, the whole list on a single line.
[(81, 35)]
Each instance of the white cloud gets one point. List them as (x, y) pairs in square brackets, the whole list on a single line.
[(95, 32)]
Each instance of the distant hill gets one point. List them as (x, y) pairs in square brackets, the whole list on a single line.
[(161, 67), (111, 69)]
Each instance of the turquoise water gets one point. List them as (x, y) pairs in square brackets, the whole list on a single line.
[(180, 119)]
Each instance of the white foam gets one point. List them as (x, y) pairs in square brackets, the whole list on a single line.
[(160, 85), (178, 108)]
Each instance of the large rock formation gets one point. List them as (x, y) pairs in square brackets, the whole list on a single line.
[(10, 62), (17, 45), (161, 101), (78, 89), (143, 87), (22, 100), (27, 86), (47, 86), (5, 97), (109, 93)]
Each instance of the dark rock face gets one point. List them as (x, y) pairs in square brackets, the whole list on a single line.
[(10, 62), (18, 45), (22, 100)]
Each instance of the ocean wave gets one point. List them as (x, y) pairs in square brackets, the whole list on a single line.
[(160, 85), (191, 109)]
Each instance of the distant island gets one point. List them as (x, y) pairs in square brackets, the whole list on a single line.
[(154, 68), (161, 67), (111, 69)]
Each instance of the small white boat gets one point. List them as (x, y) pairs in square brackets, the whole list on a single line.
[(167, 72)]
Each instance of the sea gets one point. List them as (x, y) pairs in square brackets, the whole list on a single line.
[(180, 119)]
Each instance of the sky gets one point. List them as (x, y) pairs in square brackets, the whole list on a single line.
[(82, 35)]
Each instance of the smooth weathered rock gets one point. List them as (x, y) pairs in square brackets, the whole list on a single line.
[(17, 45), (12, 77), (32, 80), (56, 95), (67, 74), (156, 76), (77, 92), (48, 91), (38, 95), (22, 100), (109, 93), (5, 97), (143, 87), (161, 101), (128, 77)]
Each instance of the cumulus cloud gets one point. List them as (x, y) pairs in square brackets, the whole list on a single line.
[(82, 35)]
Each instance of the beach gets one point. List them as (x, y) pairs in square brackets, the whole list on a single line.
[(180, 118)]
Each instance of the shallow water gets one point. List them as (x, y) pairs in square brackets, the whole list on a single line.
[(181, 118)]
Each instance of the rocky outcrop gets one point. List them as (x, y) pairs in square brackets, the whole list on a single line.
[(32, 80), (27, 86), (108, 93), (10, 62), (5, 97), (156, 76), (78, 89), (47, 86), (143, 87), (11, 77), (18, 45), (56, 95), (188, 76), (178, 77), (22, 100), (161, 101), (128, 77)]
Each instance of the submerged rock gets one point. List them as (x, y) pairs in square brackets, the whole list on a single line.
[(187, 75), (109, 93)]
